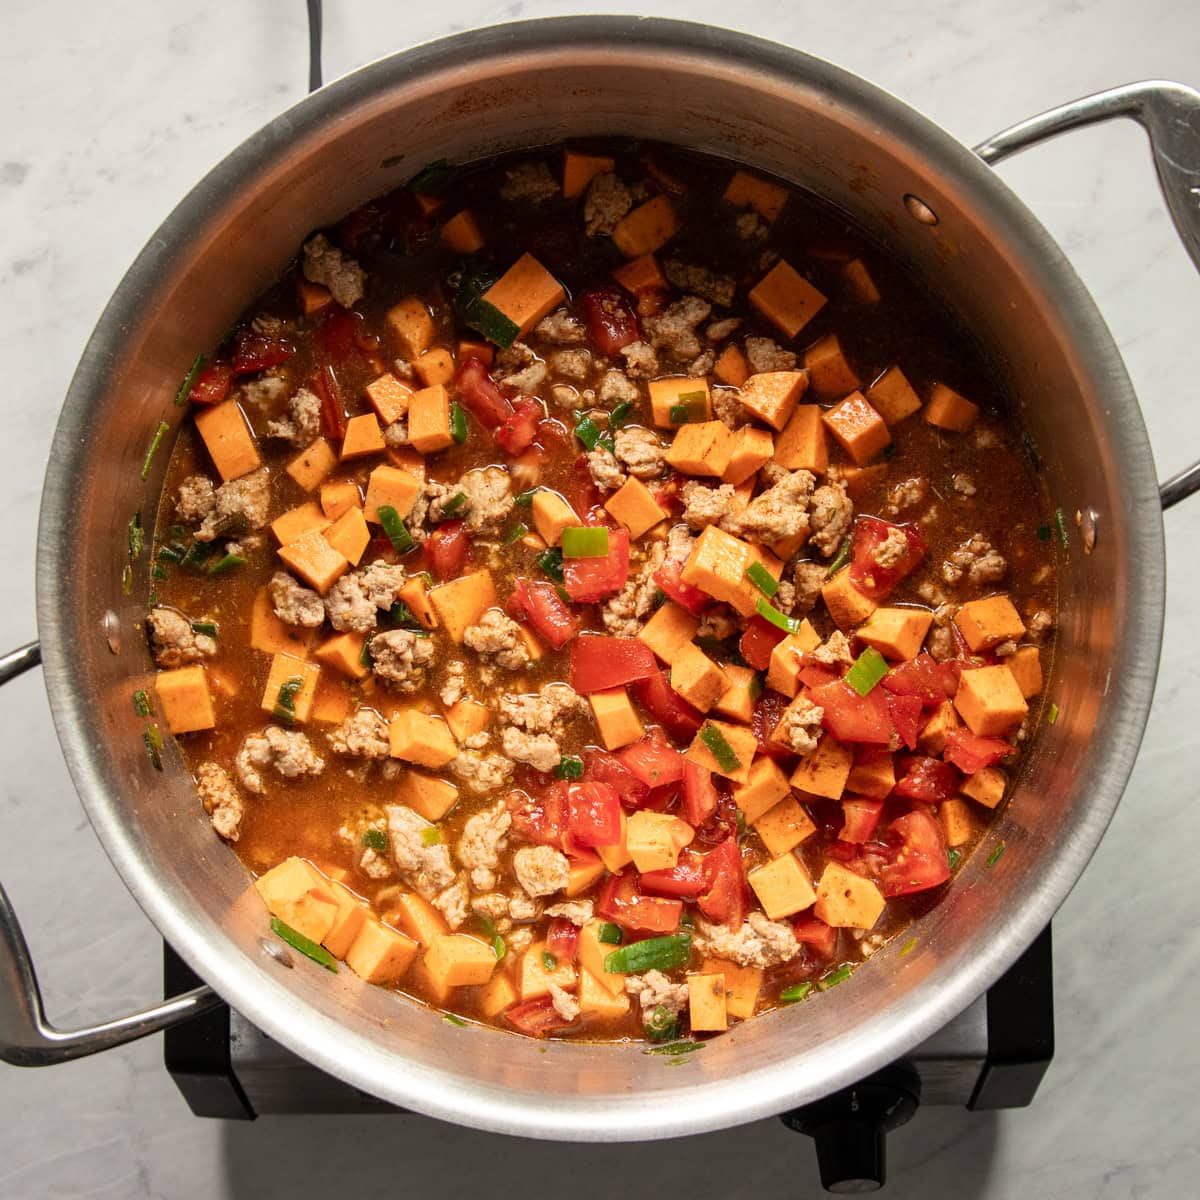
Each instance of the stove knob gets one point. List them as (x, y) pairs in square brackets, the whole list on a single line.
[(850, 1128)]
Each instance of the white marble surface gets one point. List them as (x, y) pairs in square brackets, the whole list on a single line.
[(109, 113)]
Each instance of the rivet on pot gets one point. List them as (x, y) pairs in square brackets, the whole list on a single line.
[(1087, 521), (919, 210), (276, 951), (111, 624)]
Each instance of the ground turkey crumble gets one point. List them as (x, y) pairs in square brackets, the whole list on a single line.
[(606, 202), (399, 657), (800, 726), (704, 505), (173, 640), (498, 639), (604, 469), (303, 422), (765, 355), (294, 604), (288, 752), (617, 388), (362, 735), (759, 943), (700, 281), (541, 870), (234, 506), (534, 723), (891, 550), (976, 559), (779, 513), (324, 263), (426, 867), (830, 515), (561, 328), (221, 800), (354, 602), (673, 331), (640, 451), (480, 773), (529, 182), (484, 837), (654, 989)]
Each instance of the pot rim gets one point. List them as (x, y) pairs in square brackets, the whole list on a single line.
[(714, 1103)]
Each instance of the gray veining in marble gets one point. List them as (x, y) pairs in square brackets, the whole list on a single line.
[(109, 113)]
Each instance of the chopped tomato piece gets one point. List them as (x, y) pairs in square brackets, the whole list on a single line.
[(580, 488), (815, 675), (542, 821), (669, 578), (593, 814), (621, 902), (699, 793), (590, 579), (653, 761), (602, 767), (971, 753), (854, 718), (475, 388), (921, 861), (539, 603), (861, 818), (758, 640), (924, 677), (822, 939), (212, 384), (868, 575), (725, 898), (599, 663), (342, 338), (536, 1018), (768, 709), (722, 824), (905, 714), (562, 940), (259, 351), (611, 323), (447, 548), (324, 383), (655, 694), (517, 431), (927, 780), (686, 879)]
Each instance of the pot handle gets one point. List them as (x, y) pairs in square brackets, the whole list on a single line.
[(1170, 115), (27, 1039)]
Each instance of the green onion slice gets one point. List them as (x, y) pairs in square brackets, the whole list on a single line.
[(661, 1024), (285, 702), (1043, 533), (994, 857), (868, 669), (189, 382), (1060, 522), (908, 947), (455, 504), (585, 541), (458, 422), (208, 628), (719, 748), (688, 407), (674, 1048), (653, 954), (306, 946), (137, 536), (397, 532), (840, 559), (952, 857), (780, 620), (525, 499), (549, 962), (762, 579), (152, 449), (569, 767), (588, 432), (451, 1019), (127, 580), (619, 415), (515, 532), (836, 976), (141, 703), (551, 561), (1052, 714), (172, 552), (796, 992), (499, 945), (154, 745), (374, 839), (610, 934), (228, 562), (431, 836)]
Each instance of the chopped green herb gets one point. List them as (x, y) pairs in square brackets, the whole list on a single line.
[(515, 532), (468, 280), (609, 934), (141, 703), (561, 593), (306, 946), (228, 562), (719, 748), (374, 839), (137, 536), (285, 702), (661, 1024), (196, 556), (451, 1019), (674, 1048), (432, 179), (836, 976), (618, 416), (152, 449), (153, 597), (524, 499), (364, 655), (208, 628), (1052, 714), (458, 422), (172, 552), (868, 669), (1060, 521), (780, 620), (397, 532), (762, 579), (840, 559), (652, 954), (431, 836), (796, 992), (158, 571), (154, 745), (994, 857), (953, 856), (189, 382), (1043, 532), (587, 541), (549, 962), (908, 947), (499, 946), (127, 580), (569, 767), (588, 432), (401, 614), (551, 561)]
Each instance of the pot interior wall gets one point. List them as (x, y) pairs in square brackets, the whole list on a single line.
[(788, 115)]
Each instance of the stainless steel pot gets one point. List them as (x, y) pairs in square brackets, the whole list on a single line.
[(937, 206)]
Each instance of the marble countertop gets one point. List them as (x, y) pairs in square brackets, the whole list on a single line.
[(111, 112)]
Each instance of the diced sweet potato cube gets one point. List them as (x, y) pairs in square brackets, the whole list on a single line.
[(583, 874), (859, 480), (537, 972), (948, 410), (418, 918), (678, 392), (731, 367), (988, 622), (415, 594), (784, 826), (462, 233), (349, 535), (1026, 666), (427, 795), (641, 274), (786, 298), (184, 698), (737, 700), (829, 374), (989, 700), (389, 397), (300, 896), (669, 629), (985, 787), (782, 886), (697, 678), (269, 634), (765, 786), (497, 994), (351, 915), (752, 448), (742, 985), (847, 605), (315, 561), (460, 603), (423, 981), (858, 428), (824, 771), (802, 445), (312, 464), (298, 521), (525, 293), (484, 351), (655, 839), (313, 297), (932, 738), (405, 458), (892, 396), (379, 954), (847, 900), (717, 565), (343, 652), (429, 419), (412, 325), (363, 437), (616, 718), (467, 718), (387, 485), (338, 498), (592, 953), (648, 227), (285, 669), (435, 366), (706, 1003), (859, 282), (596, 1000), (897, 633), (957, 823), (420, 738), (580, 169), (634, 505), (874, 777), (701, 448), (459, 960), (551, 515), (783, 670), (749, 191), (228, 440), (772, 396), (739, 738), (331, 705)]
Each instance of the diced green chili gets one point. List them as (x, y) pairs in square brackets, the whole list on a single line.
[(208, 628), (189, 382), (586, 541), (228, 562), (1043, 532), (762, 579), (796, 992), (868, 669), (1052, 714), (152, 449), (458, 422), (618, 416), (840, 559), (769, 612), (401, 614), (285, 702), (652, 954), (836, 976), (952, 857), (432, 836), (397, 532), (158, 571), (549, 962), (364, 655), (375, 839), (515, 532), (172, 552), (306, 946), (154, 745), (141, 703), (689, 407), (994, 857), (569, 767), (609, 934), (719, 748), (498, 944), (1060, 521), (496, 326), (551, 561), (196, 556), (661, 1024), (454, 506)]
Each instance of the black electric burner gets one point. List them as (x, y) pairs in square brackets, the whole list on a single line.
[(992, 1055)]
